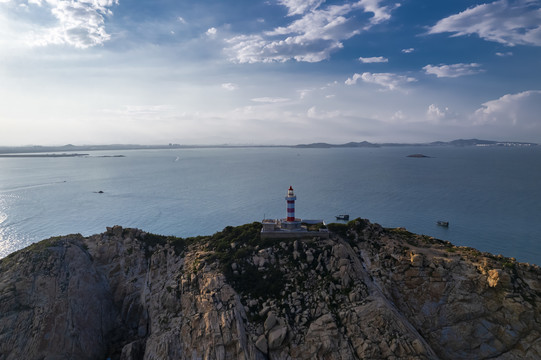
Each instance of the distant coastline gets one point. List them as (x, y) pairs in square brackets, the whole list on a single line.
[(34, 155), (7, 151), (457, 143)]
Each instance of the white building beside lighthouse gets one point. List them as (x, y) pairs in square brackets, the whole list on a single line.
[(291, 226)]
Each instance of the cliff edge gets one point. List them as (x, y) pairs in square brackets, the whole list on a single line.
[(365, 293)]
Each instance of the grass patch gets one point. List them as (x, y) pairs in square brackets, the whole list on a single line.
[(339, 229), (237, 245), (358, 224), (152, 240), (509, 265), (51, 242)]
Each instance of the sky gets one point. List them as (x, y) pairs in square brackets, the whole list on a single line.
[(268, 72)]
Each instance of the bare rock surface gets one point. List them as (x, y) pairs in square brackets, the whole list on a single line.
[(365, 293)]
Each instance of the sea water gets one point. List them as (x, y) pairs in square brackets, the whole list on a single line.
[(490, 195)]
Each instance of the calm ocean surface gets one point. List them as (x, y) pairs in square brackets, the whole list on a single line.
[(490, 196)]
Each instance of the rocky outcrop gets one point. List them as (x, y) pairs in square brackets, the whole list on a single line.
[(365, 293)]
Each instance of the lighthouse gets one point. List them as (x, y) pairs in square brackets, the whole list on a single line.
[(290, 198), (292, 227)]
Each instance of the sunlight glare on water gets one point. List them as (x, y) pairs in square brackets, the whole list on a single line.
[(3, 240)]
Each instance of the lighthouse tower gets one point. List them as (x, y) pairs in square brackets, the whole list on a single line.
[(290, 198), (292, 227)]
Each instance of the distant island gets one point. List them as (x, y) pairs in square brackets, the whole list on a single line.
[(41, 155), (459, 142), (5, 150), (418, 156)]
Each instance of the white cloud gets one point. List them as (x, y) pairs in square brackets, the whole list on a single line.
[(434, 113), (135, 111), (212, 32), (512, 109), (79, 23), (353, 80), (312, 37), (314, 113), (408, 51), (304, 92), (375, 59), (454, 70), (270, 99), (380, 13), (508, 53), (299, 7), (398, 116), (509, 22), (388, 80), (230, 86), (181, 20)]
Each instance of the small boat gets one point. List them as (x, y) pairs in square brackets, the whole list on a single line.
[(342, 217), (443, 223)]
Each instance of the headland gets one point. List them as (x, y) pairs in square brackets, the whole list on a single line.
[(365, 292)]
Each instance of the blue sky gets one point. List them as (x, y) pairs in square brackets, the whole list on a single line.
[(268, 72)]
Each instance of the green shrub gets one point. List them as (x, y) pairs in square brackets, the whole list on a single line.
[(339, 229), (151, 240), (358, 224)]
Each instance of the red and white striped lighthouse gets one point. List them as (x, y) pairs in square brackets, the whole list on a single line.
[(290, 198)]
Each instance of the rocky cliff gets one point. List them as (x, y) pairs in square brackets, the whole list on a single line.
[(365, 293)]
